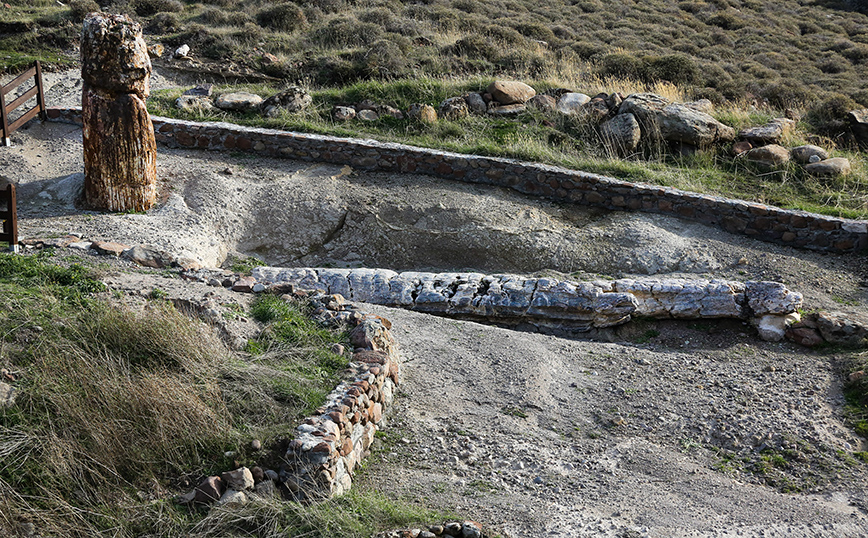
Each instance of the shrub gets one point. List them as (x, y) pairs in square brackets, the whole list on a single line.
[(787, 94), (535, 31), (163, 23), (830, 114), (385, 59), (504, 34), (727, 21), (347, 32), (620, 65), (286, 17), (146, 8), (476, 46), (80, 8), (674, 68)]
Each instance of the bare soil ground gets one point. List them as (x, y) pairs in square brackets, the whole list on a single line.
[(660, 429)]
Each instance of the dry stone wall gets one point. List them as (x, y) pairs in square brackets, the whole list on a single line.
[(766, 223)]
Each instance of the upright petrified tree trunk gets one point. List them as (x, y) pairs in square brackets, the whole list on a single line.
[(120, 151)]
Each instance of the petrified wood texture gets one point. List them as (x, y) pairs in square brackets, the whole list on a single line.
[(119, 145)]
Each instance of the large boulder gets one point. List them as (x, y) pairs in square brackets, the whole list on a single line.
[(510, 92), (681, 123), (843, 329), (621, 133), (292, 99), (859, 125), (238, 101), (645, 107)]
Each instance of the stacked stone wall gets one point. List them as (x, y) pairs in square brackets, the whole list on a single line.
[(766, 223)]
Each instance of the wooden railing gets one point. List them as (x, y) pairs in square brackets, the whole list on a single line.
[(34, 72), (9, 217)]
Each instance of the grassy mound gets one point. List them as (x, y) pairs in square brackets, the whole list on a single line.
[(120, 408)]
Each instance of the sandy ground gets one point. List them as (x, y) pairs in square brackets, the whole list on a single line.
[(664, 429)]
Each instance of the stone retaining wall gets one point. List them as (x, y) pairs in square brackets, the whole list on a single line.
[(327, 447), (766, 223)]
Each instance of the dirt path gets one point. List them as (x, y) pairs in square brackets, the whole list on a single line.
[(543, 436)]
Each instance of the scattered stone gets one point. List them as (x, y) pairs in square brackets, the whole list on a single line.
[(81, 245), (422, 112), (244, 285), (232, 499), (337, 349), (834, 167), (507, 111), (182, 51), (771, 156), (843, 329), (702, 105), (543, 102), (645, 107), (7, 395), (209, 490), (292, 99), (476, 103), (598, 109), (109, 248), (772, 328), (453, 109), (803, 335), (510, 92), (195, 103), (740, 148), (343, 113), (238, 101), (770, 133), (148, 256), (367, 115), (571, 103), (240, 479), (156, 50), (621, 133), (803, 154), (256, 445), (266, 489)]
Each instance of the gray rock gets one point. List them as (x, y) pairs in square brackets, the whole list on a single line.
[(771, 298), (200, 90), (543, 102), (182, 51), (343, 113), (510, 92), (232, 499), (422, 112), (771, 156), (367, 115), (476, 103), (843, 329), (571, 103), (209, 490), (834, 167), (292, 99), (195, 103), (240, 479), (507, 111), (621, 133), (680, 123), (804, 154), (702, 105), (770, 133), (859, 124), (7, 395), (238, 101), (266, 489), (644, 107), (454, 108), (148, 256), (773, 327)]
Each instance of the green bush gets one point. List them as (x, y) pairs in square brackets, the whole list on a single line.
[(384, 59), (535, 31), (619, 65), (163, 23), (286, 17), (347, 32), (727, 21), (80, 8), (676, 68), (476, 46), (146, 8)]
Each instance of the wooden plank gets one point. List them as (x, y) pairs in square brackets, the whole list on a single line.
[(21, 99), (10, 224), (27, 116), (40, 100), (19, 80), (4, 122)]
